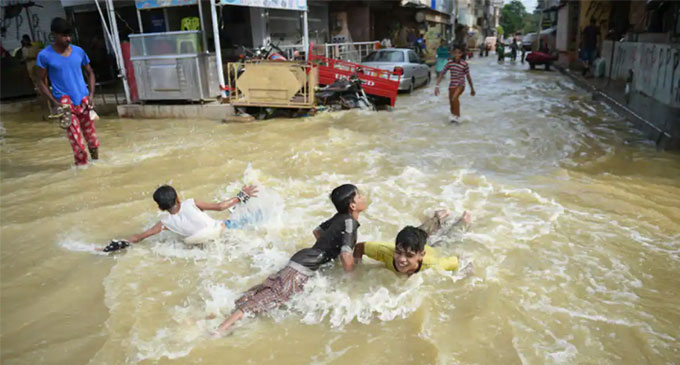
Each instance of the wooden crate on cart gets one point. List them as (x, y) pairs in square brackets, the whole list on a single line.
[(276, 84)]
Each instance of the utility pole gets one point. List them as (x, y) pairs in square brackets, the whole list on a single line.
[(218, 48), (539, 8)]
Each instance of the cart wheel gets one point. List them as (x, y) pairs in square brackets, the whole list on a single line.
[(532, 66)]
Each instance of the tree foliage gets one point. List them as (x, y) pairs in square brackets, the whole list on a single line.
[(531, 22), (512, 17)]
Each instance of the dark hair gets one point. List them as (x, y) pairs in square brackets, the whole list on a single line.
[(411, 239), (61, 26), (165, 197), (342, 197), (458, 47)]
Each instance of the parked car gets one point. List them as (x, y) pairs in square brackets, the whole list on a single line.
[(528, 40), (403, 61)]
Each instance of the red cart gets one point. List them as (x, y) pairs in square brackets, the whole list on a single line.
[(376, 82)]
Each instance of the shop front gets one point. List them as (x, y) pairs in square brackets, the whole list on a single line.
[(285, 24), (172, 62)]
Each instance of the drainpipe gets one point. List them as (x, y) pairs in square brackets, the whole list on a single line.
[(139, 20), (538, 33), (305, 34), (116, 37), (203, 34), (611, 62), (218, 49), (115, 43)]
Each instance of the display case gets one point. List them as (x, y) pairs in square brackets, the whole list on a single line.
[(173, 66)]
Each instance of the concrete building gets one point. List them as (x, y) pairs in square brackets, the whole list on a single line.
[(477, 19), (497, 6), (638, 54)]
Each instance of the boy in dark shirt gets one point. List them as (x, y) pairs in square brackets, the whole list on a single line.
[(335, 237)]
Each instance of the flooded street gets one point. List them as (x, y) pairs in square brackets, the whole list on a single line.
[(575, 237)]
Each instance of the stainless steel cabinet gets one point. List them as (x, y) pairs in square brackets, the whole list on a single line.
[(172, 66)]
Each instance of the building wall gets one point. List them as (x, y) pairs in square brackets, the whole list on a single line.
[(318, 23), (466, 12), (598, 9), (562, 35), (258, 25), (40, 19), (359, 21), (637, 16), (656, 70)]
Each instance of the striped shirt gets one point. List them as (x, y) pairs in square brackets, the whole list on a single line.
[(458, 70)]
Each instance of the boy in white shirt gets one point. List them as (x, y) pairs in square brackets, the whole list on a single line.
[(187, 218)]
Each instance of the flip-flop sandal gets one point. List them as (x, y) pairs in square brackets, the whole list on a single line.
[(116, 245), (65, 120)]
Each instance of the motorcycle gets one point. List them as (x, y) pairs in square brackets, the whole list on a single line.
[(345, 94), (269, 52), (266, 52)]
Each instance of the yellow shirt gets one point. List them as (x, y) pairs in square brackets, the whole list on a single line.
[(384, 252)]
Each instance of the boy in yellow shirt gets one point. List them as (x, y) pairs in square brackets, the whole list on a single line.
[(410, 253)]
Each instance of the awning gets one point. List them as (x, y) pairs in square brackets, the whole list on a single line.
[(6, 3), (153, 4), (441, 6), (548, 31), (438, 18), (414, 3), (299, 5)]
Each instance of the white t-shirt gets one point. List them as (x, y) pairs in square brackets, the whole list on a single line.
[(189, 220)]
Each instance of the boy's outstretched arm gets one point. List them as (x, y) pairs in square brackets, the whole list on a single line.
[(359, 252), (227, 323), (347, 261), (248, 190), (472, 87), (156, 229)]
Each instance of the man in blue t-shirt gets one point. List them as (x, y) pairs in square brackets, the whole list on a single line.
[(63, 63)]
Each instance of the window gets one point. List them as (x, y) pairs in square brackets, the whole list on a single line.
[(412, 57), (385, 56)]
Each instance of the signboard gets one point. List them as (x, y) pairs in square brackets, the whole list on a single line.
[(442, 6), (5, 3), (153, 4), (547, 23), (300, 5)]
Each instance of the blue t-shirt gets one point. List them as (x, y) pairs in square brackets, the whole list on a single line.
[(66, 73)]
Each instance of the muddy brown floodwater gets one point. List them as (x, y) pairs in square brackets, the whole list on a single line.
[(575, 237)]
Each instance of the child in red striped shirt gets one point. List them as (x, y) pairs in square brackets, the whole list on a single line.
[(459, 70)]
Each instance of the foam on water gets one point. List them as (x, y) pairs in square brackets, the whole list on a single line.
[(81, 246), (228, 266)]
